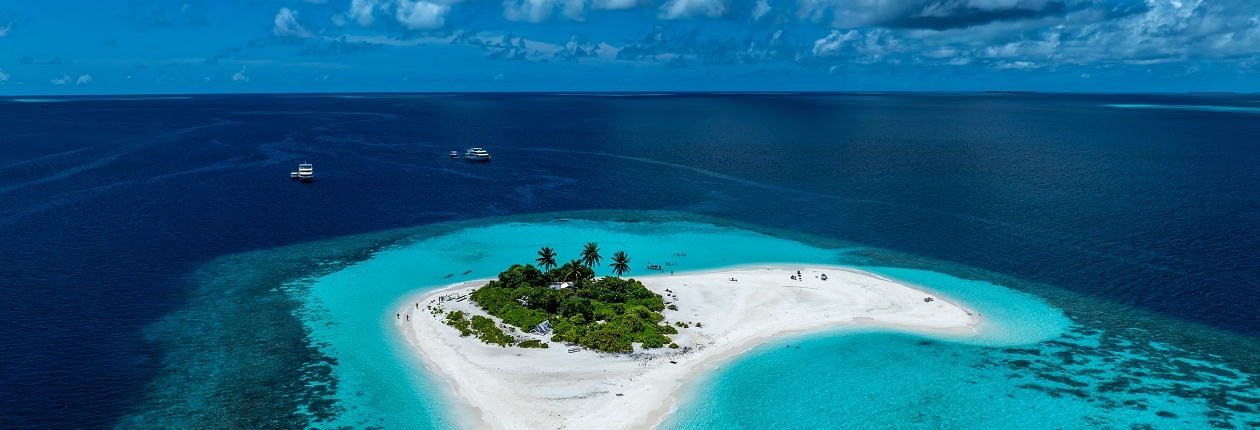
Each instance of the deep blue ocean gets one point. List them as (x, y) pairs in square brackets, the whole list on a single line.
[(122, 218)]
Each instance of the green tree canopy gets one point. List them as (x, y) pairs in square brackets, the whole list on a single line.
[(590, 255), (546, 258), (620, 263), (609, 314)]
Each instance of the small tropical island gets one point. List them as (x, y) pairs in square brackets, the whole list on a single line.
[(552, 346), (606, 315)]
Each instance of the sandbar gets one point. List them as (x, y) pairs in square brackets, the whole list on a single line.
[(738, 308)]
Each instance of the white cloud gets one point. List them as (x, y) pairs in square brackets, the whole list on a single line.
[(3, 76), (240, 76), (316, 1), (287, 24), (4, 31), (832, 44), (675, 9), (761, 9), (421, 15), (83, 79), (62, 80), (574, 10), (361, 11), (529, 10), (1017, 65)]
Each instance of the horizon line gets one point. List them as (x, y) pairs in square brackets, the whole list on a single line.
[(14, 97)]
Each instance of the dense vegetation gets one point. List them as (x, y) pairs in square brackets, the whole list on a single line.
[(609, 314), (482, 327)]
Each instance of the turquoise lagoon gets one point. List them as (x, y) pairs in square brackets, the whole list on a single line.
[(1033, 363)]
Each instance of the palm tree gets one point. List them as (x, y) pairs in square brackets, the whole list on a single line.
[(590, 255), (546, 258), (620, 263), (571, 271)]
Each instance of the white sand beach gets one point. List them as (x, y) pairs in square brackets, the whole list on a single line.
[(517, 388)]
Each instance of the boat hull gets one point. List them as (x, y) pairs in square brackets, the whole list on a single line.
[(476, 158)]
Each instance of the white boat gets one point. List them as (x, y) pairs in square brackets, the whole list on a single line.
[(306, 172), (293, 175), (454, 154), (477, 154)]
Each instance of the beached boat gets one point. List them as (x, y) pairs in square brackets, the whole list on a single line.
[(655, 267), (476, 154), (306, 172)]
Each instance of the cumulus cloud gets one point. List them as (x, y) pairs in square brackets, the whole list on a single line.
[(83, 79), (931, 14), (4, 31), (528, 10), (1017, 65), (996, 34), (421, 15), (361, 11), (543, 10), (240, 76), (676, 9), (761, 9), (62, 80), (287, 25), (576, 48), (573, 10), (833, 44), (4, 77), (412, 14), (1026, 34)]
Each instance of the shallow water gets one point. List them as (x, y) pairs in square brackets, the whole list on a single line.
[(1030, 363), (351, 308), (381, 383), (1079, 376)]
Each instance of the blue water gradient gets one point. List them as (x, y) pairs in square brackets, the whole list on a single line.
[(150, 248)]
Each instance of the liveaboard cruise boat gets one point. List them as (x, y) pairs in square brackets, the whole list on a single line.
[(477, 154), (306, 172)]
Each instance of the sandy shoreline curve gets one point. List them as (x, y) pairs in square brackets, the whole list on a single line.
[(740, 308)]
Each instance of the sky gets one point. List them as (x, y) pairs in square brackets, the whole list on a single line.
[(54, 47)]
